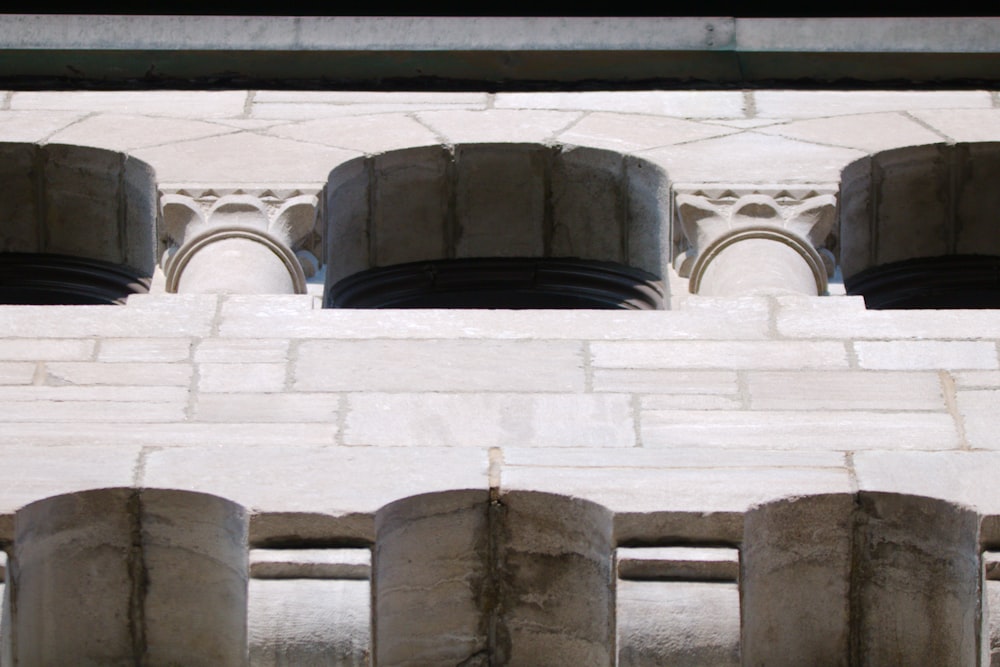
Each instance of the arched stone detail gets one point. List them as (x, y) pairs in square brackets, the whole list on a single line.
[(238, 242), (120, 575), (918, 202), (745, 239), (87, 205), (495, 200)]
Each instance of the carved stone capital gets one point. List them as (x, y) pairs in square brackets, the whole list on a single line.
[(707, 213), (282, 223)]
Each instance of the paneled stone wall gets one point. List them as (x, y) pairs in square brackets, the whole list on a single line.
[(625, 487)]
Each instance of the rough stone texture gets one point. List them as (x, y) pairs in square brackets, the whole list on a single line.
[(780, 427)]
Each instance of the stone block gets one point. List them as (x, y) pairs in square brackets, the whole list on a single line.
[(94, 411), (17, 372), (629, 133), (496, 125), (190, 104), (265, 407), (410, 198), (682, 103), (690, 402), (457, 365), (978, 409), (647, 204), (976, 379), (845, 430), (228, 350), (662, 381), (962, 124), (489, 420), (792, 355), (96, 394), (165, 320), (123, 373), (926, 355), (369, 133), (125, 132), (872, 132), (844, 390), (144, 349), (241, 377), (500, 200), (808, 103), (41, 349), (35, 126), (167, 434)]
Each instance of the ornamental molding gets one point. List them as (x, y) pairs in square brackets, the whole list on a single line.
[(281, 217), (707, 213)]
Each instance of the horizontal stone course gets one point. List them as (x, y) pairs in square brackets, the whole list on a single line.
[(912, 355), (124, 373), (241, 377), (719, 355), (664, 381), (386, 365), (778, 429), (17, 372), (167, 434), (76, 412), (221, 350), (22, 349), (844, 390), (489, 420), (980, 411), (144, 349), (266, 407)]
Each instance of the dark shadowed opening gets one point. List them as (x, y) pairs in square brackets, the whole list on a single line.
[(952, 281), (515, 283), (49, 280)]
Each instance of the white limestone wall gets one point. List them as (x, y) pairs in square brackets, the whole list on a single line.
[(679, 422)]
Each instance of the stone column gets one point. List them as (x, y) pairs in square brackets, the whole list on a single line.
[(118, 576), (431, 580), (918, 582), (239, 243), (557, 583), (738, 242)]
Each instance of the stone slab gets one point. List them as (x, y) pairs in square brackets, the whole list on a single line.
[(241, 377), (680, 103), (228, 350), (629, 132), (123, 373), (844, 390), (77, 412), (980, 411), (489, 420), (691, 402), (977, 379), (34, 126), (144, 349), (930, 354), (189, 104), (169, 319), (367, 133), (649, 459), (167, 434), (815, 103), (871, 132), (40, 349), (123, 132), (310, 563), (686, 563), (287, 317), (719, 355), (845, 430), (266, 407), (17, 372), (818, 318), (662, 381), (497, 125), (961, 125), (458, 365)]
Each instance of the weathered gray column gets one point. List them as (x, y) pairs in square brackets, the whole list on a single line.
[(115, 576), (238, 244), (557, 590), (430, 580), (796, 577), (918, 582), (741, 241)]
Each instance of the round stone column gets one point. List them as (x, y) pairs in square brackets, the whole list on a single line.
[(758, 260), (119, 576), (430, 580)]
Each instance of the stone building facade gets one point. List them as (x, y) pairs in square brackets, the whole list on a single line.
[(780, 449)]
